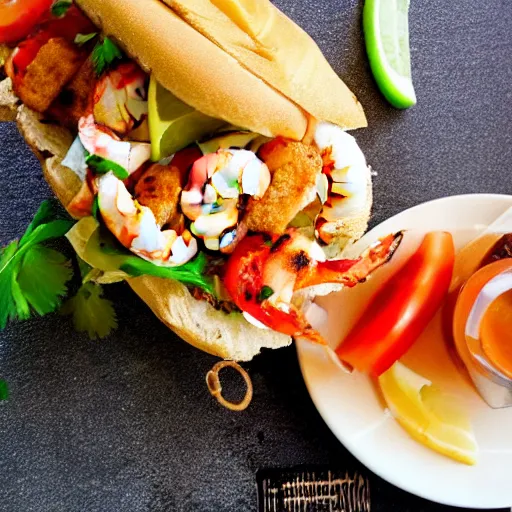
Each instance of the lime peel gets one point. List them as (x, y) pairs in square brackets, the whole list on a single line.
[(386, 32)]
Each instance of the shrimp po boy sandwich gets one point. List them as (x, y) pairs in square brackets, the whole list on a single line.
[(201, 146)]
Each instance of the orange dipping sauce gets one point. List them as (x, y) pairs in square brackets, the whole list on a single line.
[(496, 333), (494, 324)]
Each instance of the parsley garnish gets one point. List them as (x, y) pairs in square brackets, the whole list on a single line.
[(104, 54), (81, 39), (264, 293), (91, 312), (33, 277), (60, 8), (101, 166), (4, 390)]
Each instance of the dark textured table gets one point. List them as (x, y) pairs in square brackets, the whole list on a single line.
[(126, 424)]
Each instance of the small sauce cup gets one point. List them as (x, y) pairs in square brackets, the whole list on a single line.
[(482, 330)]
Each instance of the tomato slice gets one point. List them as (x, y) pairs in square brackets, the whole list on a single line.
[(402, 308), (19, 17)]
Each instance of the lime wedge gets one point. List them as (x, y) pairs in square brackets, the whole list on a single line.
[(173, 124), (386, 32)]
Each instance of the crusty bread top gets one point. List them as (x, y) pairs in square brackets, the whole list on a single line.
[(194, 69), (270, 45)]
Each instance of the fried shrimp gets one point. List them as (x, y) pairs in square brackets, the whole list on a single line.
[(54, 66), (159, 189), (72, 102), (294, 168)]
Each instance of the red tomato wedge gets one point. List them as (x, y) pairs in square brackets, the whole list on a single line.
[(399, 312), (19, 17)]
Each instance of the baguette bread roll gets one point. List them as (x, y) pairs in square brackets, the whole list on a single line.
[(270, 45), (166, 45), (194, 69)]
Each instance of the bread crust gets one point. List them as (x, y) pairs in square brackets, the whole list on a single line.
[(274, 48), (194, 69), (201, 325)]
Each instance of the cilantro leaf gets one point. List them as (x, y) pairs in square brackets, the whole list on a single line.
[(60, 8), (22, 305), (32, 277), (104, 54), (43, 277), (101, 165), (81, 39), (46, 212), (7, 302), (4, 390), (48, 231), (91, 312)]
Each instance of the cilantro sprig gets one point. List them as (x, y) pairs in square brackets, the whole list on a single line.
[(91, 312), (104, 54), (33, 277)]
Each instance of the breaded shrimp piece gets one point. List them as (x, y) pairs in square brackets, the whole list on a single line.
[(159, 189), (71, 103), (55, 65), (294, 168)]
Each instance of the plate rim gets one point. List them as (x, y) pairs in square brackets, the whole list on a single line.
[(351, 447)]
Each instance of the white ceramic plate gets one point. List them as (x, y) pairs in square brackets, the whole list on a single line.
[(352, 409)]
